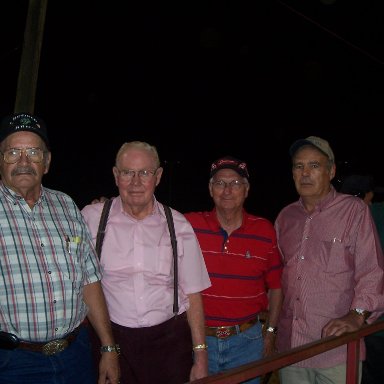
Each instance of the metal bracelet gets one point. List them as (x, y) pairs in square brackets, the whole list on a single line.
[(271, 330)]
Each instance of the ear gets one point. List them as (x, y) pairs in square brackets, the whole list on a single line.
[(332, 172), (47, 162), (247, 190), (159, 173), (210, 189), (115, 174)]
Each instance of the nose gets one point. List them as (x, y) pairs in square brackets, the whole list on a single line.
[(136, 179), (306, 170), (227, 188), (24, 157)]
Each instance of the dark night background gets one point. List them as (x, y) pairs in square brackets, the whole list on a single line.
[(201, 80)]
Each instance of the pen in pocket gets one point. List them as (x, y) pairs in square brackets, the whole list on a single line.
[(68, 243)]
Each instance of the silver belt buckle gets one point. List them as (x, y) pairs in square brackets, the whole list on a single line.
[(55, 346)]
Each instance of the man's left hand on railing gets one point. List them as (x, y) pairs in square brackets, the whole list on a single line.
[(349, 323)]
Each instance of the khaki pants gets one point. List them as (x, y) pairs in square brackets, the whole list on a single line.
[(298, 375)]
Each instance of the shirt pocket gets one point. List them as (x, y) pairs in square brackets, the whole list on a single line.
[(335, 257), (164, 263)]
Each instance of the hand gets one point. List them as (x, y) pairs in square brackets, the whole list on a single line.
[(269, 344), (200, 366), (99, 200), (109, 368), (349, 323)]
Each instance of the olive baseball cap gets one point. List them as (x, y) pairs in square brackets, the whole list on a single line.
[(317, 142)]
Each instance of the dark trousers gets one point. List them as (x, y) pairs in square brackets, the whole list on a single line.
[(161, 354), (373, 366)]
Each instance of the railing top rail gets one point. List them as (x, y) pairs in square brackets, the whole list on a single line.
[(261, 367)]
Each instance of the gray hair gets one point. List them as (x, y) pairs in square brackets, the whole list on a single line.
[(139, 145)]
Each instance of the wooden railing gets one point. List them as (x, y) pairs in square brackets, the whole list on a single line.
[(264, 366)]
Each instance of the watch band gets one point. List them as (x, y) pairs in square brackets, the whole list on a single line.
[(110, 348), (361, 312)]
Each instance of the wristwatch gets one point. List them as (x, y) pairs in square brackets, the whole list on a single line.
[(110, 348), (271, 330), (361, 312)]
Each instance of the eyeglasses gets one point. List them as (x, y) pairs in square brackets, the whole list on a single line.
[(144, 174), (13, 155), (234, 184)]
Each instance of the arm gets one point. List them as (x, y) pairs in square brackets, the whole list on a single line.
[(369, 277), (275, 303), (195, 315), (109, 369)]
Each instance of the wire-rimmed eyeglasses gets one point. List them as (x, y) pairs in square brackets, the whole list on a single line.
[(13, 155), (234, 184), (143, 174)]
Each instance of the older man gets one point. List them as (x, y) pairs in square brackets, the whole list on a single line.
[(244, 265), (333, 265), (49, 271), (137, 259)]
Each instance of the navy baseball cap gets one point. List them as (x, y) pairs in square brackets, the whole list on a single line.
[(23, 122)]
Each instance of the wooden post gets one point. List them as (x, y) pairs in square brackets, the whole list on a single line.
[(30, 57)]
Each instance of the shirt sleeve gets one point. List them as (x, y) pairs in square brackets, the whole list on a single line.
[(369, 264), (193, 275)]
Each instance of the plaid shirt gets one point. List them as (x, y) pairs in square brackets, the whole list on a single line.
[(46, 257)]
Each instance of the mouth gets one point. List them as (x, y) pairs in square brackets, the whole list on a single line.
[(22, 173), (306, 183)]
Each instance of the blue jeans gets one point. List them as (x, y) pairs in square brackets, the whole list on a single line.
[(72, 366), (236, 350)]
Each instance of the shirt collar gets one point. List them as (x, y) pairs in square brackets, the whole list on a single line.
[(325, 201), (14, 196)]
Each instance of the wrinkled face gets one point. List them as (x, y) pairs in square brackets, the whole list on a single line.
[(228, 189), (23, 161), (312, 172), (136, 176)]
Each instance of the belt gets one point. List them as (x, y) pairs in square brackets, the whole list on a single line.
[(51, 347), (226, 331)]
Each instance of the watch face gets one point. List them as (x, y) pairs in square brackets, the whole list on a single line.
[(362, 312), (111, 348)]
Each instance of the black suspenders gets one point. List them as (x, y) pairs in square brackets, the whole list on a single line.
[(171, 227)]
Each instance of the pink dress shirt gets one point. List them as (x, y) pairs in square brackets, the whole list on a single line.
[(136, 261)]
